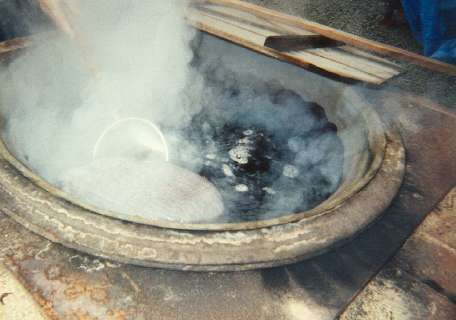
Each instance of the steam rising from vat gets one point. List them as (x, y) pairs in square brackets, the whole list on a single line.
[(129, 136), (218, 123)]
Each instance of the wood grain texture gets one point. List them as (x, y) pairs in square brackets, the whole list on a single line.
[(12, 45), (373, 46), (251, 29), (254, 23)]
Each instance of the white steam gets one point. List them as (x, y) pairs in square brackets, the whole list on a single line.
[(57, 111)]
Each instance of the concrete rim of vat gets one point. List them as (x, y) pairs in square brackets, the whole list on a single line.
[(373, 172)]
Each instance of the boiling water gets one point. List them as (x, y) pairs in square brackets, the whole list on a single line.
[(268, 151), (239, 148)]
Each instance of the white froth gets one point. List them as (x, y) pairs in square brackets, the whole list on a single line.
[(241, 188), (290, 171), (227, 170), (240, 154)]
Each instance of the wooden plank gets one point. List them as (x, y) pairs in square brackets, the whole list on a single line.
[(254, 41), (253, 35), (334, 66), (203, 19), (338, 35), (370, 56), (362, 63), (251, 31), (248, 17)]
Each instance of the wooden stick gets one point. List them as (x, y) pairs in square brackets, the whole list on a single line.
[(55, 10), (338, 35), (12, 45), (61, 13)]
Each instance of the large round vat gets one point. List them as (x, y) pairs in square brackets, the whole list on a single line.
[(372, 174)]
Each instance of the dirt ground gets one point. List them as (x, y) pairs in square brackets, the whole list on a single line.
[(365, 18)]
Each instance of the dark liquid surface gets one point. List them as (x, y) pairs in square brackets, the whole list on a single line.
[(268, 151)]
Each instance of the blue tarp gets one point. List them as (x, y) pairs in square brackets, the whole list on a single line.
[(433, 23)]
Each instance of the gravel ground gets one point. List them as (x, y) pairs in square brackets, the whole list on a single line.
[(365, 18), (360, 17)]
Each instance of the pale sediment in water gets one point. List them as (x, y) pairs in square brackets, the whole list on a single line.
[(150, 189)]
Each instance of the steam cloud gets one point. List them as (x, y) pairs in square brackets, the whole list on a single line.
[(55, 112)]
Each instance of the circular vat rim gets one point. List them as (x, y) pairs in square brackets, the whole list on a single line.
[(376, 136), (29, 201)]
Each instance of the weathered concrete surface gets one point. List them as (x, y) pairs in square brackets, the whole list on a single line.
[(430, 253), (440, 224), (420, 282), (15, 302), (394, 294)]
